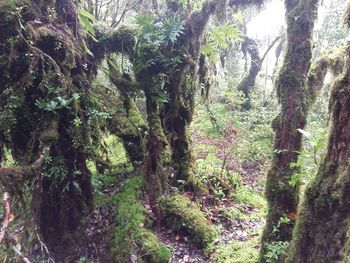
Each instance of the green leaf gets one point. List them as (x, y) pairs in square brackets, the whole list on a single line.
[(84, 13)]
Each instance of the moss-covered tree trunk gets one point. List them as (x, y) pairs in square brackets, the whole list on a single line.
[(156, 156), (177, 118), (293, 96), (321, 232), (181, 88), (127, 122), (44, 88)]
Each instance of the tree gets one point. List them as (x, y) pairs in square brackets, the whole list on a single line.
[(321, 231), (47, 116), (295, 102)]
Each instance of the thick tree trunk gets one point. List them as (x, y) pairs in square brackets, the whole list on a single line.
[(321, 232), (293, 97), (50, 150)]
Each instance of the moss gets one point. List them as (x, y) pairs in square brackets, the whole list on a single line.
[(150, 244), (49, 136), (183, 213), (130, 218), (238, 252), (247, 196)]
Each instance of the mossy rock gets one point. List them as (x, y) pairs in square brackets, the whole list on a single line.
[(183, 213), (130, 235)]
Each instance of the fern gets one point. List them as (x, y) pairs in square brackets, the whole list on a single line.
[(171, 29), (219, 38), (153, 37)]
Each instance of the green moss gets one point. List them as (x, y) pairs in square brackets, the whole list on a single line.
[(130, 235), (238, 252), (237, 212), (247, 196), (183, 213), (150, 244)]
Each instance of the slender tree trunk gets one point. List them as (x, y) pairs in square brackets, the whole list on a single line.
[(247, 83), (293, 97), (323, 221)]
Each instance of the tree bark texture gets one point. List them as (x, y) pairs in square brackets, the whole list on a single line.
[(321, 232), (294, 100)]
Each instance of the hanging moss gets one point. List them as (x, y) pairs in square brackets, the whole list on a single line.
[(180, 212)]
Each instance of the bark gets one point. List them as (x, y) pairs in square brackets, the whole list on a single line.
[(36, 134), (293, 97), (321, 232), (248, 82), (181, 88), (156, 178)]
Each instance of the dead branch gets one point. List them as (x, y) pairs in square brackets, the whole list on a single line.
[(8, 217), (20, 255), (270, 46)]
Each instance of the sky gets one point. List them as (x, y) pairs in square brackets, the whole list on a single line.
[(268, 22)]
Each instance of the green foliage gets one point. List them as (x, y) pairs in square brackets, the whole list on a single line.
[(154, 36), (87, 20), (238, 252), (57, 103), (245, 195), (275, 250), (211, 174), (219, 38), (310, 157)]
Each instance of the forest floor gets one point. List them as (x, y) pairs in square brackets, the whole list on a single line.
[(232, 164), (237, 215)]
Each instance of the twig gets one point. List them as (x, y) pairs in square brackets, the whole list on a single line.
[(26, 260), (7, 217)]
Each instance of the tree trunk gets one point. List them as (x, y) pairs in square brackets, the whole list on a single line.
[(48, 147), (248, 82), (157, 151), (321, 232), (177, 118), (293, 97)]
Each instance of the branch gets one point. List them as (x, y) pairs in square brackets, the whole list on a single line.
[(124, 85), (318, 72), (120, 40), (26, 260), (8, 217), (270, 46), (12, 177)]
